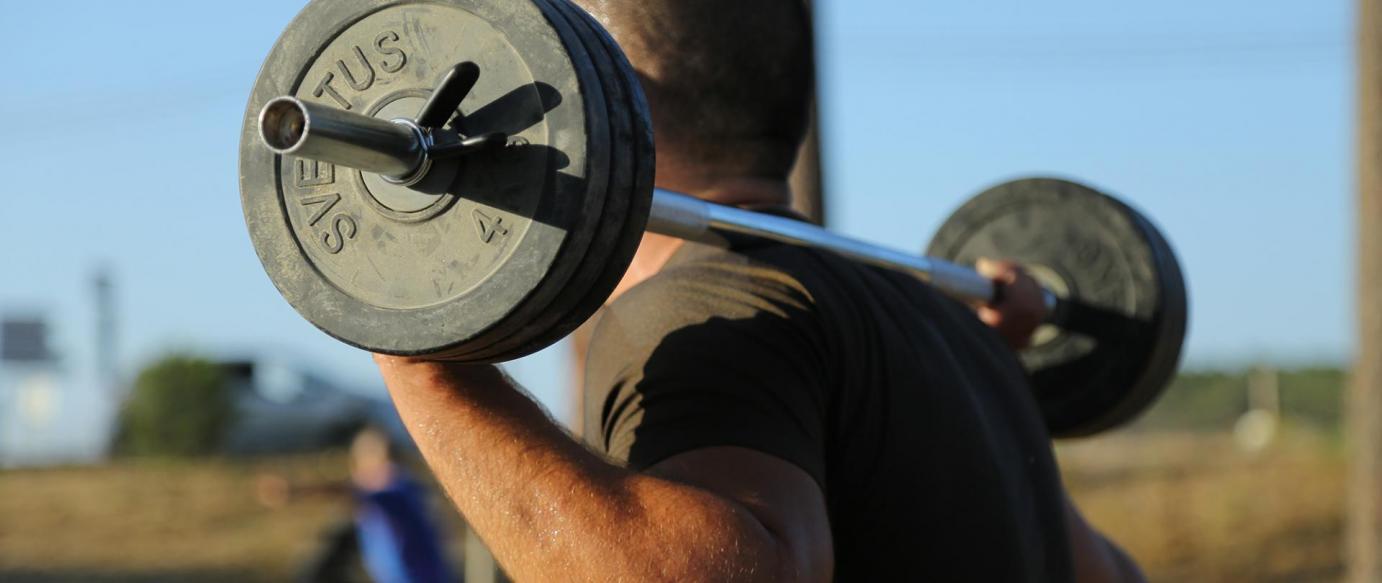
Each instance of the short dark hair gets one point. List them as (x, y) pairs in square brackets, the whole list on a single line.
[(729, 81)]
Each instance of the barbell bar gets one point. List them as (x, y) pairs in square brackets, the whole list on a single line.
[(401, 148)]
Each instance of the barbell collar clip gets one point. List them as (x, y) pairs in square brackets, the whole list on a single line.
[(441, 106)]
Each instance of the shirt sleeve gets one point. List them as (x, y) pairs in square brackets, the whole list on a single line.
[(709, 355)]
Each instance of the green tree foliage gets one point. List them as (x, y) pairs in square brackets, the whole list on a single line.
[(1213, 400), (180, 406), (1210, 400), (1314, 395)]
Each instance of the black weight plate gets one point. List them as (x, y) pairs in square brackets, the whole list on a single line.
[(640, 189), (552, 322), (568, 310), (574, 252), (529, 324), (415, 273), (645, 163), (1123, 314)]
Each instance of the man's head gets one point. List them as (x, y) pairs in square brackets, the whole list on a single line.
[(729, 81)]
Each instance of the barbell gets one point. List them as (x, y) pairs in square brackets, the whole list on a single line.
[(469, 179)]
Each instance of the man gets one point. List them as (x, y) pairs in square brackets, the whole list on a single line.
[(772, 413)]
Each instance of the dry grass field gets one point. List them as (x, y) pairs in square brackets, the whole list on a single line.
[(1199, 509), (1189, 508), (165, 521)]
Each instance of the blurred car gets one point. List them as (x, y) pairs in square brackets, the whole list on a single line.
[(283, 408)]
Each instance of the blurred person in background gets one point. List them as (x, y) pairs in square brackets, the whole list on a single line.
[(390, 531)]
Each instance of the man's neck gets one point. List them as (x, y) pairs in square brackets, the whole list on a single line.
[(738, 191), (655, 250)]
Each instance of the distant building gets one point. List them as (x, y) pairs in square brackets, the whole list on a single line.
[(24, 340), (46, 417)]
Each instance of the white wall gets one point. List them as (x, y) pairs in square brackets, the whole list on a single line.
[(49, 418)]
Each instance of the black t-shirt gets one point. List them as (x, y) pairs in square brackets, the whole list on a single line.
[(912, 416)]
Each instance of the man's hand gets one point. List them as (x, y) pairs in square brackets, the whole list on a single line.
[(1022, 306)]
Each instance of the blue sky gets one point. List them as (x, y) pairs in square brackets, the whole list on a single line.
[(1228, 122)]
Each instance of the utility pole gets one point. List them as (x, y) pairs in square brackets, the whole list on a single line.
[(1365, 395), (106, 356)]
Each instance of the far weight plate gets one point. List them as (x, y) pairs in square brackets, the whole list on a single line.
[(1124, 310)]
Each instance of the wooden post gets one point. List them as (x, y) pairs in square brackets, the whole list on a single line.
[(1264, 390), (1365, 394)]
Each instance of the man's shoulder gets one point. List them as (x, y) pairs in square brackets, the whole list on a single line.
[(704, 282), (764, 283), (705, 296), (718, 349)]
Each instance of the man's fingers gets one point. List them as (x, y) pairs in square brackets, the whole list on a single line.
[(1019, 309), (990, 316), (1005, 273), (391, 361), (989, 268)]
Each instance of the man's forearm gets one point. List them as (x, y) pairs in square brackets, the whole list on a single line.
[(1097, 559), (549, 509), (1127, 567)]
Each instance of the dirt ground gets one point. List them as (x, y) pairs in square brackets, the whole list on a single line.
[(1189, 508)]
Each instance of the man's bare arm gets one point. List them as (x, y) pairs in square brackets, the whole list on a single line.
[(1097, 559), (552, 511)]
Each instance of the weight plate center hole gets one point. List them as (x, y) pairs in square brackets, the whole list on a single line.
[(412, 202)]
